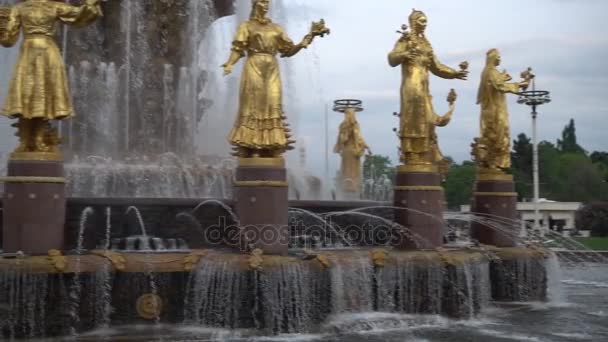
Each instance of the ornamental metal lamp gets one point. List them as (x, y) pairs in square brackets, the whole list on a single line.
[(534, 98)]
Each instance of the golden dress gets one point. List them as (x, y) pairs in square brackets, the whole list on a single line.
[(351, 147), (260, 121), (417, 117), (495, 135), (39, 87)]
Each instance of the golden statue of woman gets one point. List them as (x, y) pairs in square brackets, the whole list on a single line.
[(260, 129), (417, 118), (351, 146), (492, 150), (38, 90)]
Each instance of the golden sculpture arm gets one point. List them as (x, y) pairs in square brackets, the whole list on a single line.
[(10, 26), (307, 40), (500, 84), (444, 120), (445, 71), (239, 46), (232, 60), (400, 54), (317, 29), (79, 16)]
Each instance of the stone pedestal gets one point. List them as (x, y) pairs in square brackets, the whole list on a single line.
[(34, 206), (261, 203), (494, 197), (418, 190)]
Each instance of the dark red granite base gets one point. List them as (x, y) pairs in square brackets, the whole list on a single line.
[(33, 213), (421, 194), (261, 203), (496, 200)]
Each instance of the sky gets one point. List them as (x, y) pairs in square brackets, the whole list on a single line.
[(564, 41)]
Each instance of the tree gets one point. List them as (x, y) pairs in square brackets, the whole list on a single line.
[(600, 160), (593, 217), (459, 184), (568, 144), (566, 172), (599, 157), (583, 181), (549, 171), (521, 160), (376, 165)]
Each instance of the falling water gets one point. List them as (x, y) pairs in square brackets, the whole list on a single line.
[(291, 295), (140, 219), (555, 293), (75, 290), (411, 286), (351, 284), (217, 293), (104, 285), (139, 98), (23, 302)]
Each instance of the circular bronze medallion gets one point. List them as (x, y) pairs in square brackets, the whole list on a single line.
[(149, 306)]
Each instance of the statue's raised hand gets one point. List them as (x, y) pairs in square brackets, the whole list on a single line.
[(227, 69), (462, 74), (319, 29)]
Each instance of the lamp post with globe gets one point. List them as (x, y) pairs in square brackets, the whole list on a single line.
[(534, 98)]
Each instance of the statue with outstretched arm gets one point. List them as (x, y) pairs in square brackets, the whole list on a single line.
[(414, 53), (38, 90), (260, 129), (492, 149)]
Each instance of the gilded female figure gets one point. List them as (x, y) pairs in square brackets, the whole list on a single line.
[(417, 118), (492, 151), (260, 129), (351, 147), (38, 89)]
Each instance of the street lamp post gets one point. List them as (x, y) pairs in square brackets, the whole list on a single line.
[(534, 98)]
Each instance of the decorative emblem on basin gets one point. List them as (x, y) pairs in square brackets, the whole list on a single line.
[(149, 306)]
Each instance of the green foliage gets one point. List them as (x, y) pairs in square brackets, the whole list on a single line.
[(567, 173), (521, 159), (568, 144), (459, 184), (593, 217), (600, 160), (376, 165)]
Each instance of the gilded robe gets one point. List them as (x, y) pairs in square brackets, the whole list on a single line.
[(260, 120), (417, 117), (39, 86), (351, 147), (494, 122)]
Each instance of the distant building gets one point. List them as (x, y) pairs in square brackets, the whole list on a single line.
[(557, 216)]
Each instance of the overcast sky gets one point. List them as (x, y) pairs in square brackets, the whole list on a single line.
[(565, 41)]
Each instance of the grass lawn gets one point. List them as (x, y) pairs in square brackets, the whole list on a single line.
[(596, 243)]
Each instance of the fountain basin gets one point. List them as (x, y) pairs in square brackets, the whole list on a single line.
[(276, 294)]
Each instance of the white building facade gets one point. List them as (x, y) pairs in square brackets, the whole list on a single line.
[(557, 216)]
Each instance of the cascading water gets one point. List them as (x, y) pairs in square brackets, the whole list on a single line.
[(145, 84), (555, 291), (217, 292), (411, 287), (138, 96), (351, 283), (18, 287), (290, 295)]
